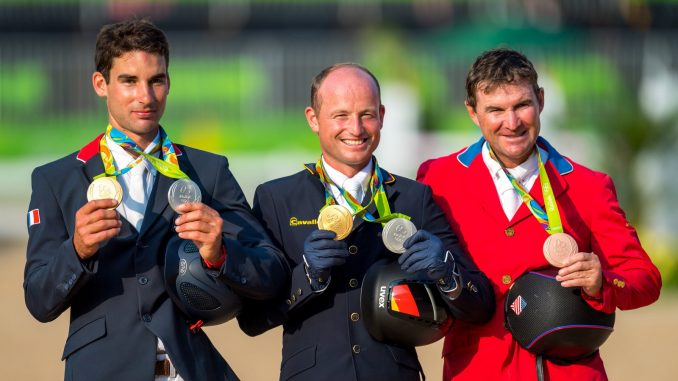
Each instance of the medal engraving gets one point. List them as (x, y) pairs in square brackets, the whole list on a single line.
[(183, 191), (558, 248), (337, 219), (105, 188), (396, 232)]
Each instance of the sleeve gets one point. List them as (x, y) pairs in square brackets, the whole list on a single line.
[(54, 273), (254, 268), (476, 302), (630, 279), (259, 317)]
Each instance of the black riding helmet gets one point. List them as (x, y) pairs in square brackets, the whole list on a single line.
[(402, 308), (195, 290)]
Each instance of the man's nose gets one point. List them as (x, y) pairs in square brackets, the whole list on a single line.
[(512, 120), (355, 125), (145, 93)]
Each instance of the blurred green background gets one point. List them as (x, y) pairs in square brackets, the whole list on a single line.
[(241, 70)]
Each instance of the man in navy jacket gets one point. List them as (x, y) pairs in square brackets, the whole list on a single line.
[(325, 337), (104, 258)]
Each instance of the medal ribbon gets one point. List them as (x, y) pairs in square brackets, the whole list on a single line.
[(376, 189), (168, 165), (549, 220)]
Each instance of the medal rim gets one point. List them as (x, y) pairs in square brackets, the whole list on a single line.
[(345, 216)]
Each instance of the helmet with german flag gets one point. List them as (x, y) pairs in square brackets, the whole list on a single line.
[(402, 308)]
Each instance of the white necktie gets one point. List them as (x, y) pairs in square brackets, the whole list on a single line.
[(354, 188), (510, 202), (136, 203)]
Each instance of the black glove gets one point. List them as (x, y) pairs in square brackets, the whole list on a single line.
[(322, 252), (425, 252)]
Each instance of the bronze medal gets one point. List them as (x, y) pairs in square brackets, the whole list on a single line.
[(558, 248), (337, 219), (105, 188)]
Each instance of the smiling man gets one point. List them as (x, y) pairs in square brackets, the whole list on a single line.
[(512, 198), (345, 191), (100, 221)]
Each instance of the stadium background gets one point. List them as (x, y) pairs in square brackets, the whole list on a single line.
[(241, 72)]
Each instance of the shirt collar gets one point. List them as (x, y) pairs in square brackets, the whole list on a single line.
[(521, 172), (338, 178)]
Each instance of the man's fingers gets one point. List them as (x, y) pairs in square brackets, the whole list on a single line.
[(93, 205)]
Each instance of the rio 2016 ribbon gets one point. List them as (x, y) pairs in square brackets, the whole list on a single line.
[(168, 165), (549, 219), (378, 196)]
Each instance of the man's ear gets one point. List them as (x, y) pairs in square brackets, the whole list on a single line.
[(99, 84), (382, 112), (312, 118), (472, 113)]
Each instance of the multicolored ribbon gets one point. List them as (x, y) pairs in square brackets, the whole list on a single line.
[(549, 219), (168, 165), (376, 189)]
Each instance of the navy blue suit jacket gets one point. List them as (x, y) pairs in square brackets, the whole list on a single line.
[(117, 299), (323, 339)]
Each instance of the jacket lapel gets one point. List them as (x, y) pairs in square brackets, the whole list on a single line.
[(558, 184), (157, 202), (91, 168)]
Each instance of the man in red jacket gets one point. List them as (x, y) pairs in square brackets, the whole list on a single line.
[(494, 192)]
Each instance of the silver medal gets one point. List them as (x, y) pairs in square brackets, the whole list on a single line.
[(183, 191), (396, 232)]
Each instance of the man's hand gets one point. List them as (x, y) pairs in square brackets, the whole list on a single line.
[(425, 252), (322, 252), (202, 225), (582, 270), (95, 222)]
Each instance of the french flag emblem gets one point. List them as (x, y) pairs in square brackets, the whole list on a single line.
[(518, 305), (33, 217)]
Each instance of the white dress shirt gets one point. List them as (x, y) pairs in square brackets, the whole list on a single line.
[(132, 210), (363, 178), (526, 174)]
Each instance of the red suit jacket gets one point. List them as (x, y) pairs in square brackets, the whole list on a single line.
[(504, 250)]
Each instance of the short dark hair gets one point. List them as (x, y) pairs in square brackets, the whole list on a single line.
[(318, 81), (497, 67), (114, 40)]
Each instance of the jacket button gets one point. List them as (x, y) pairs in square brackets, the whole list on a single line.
[(353, 282), (355, 316), (289, 302), (356, 349), (506, 279), (509, 232), (299, 292), (353, 249), (142, 280), (146, 318)]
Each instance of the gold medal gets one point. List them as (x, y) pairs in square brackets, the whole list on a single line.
[(558, 248), (105, 188), (337, 219)]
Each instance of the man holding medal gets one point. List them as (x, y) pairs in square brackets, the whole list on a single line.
[(328, 220), (100, 220), (518, 205)]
